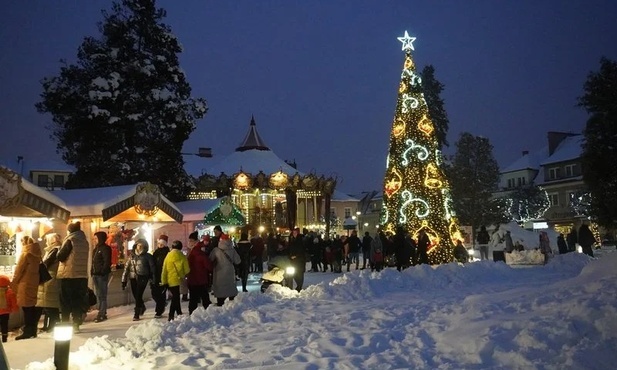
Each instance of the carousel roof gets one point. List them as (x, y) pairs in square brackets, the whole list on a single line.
[(252, 156)]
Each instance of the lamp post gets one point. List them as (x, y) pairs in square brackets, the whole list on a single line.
[(358, 213), (62, 346)]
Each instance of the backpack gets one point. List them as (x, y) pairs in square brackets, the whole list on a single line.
[(378, 256)]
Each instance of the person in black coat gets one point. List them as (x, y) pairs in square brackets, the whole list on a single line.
[(297, 255), (244, 250), (100, 271), (366, 249), (572, 239), (423, 244), (158, 291), (139, 270), (586, 239), (399, 248), (561, 244)]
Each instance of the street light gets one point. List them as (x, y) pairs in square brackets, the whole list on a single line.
[(62, 346), (358, 213)]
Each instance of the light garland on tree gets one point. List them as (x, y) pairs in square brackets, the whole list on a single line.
[(416, 192)]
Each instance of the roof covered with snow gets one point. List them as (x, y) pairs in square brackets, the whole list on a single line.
[(530, 160), (93, 201), (339, 196), (196, 210), (35, 202), (569, 149)]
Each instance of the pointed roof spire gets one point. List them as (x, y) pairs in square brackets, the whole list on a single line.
[(252, 140)]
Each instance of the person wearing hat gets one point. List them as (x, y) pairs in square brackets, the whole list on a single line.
[(198, 279), (100, 271), (159, 292)]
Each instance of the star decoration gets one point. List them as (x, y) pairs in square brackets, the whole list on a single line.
[(407, 42)]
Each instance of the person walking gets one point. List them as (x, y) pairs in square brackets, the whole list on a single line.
[(73, 275), (48, 297), (100, 271), (200, 269), (139, 270), (26, 283), (224, 257), (158, 290), (244, 251), (175, 269), (572, 239)]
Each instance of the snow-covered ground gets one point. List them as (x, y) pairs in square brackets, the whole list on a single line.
[(483, 315)]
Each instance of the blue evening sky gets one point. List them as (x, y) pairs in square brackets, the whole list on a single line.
[(321, 77)]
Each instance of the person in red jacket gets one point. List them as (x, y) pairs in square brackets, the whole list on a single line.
[(198, 279), (8, 304)]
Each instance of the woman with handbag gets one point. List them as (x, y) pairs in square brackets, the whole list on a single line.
[(26, 284), (224, 257), (48, 297)]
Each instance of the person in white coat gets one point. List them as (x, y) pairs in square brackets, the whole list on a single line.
[(224, 257)]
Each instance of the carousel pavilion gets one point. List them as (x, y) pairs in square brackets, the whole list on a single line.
[(272, 194)]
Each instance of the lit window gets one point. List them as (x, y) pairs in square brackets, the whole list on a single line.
[(347, 212)]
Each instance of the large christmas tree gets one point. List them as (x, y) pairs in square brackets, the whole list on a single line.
[(416, 192)]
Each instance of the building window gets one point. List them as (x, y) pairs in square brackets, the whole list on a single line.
[(554, 173), (332, 212), (43, 181), (58, 181), (347, 212), (554, 198), (523, 180), (569, 169), (510, 183), (518, 182)]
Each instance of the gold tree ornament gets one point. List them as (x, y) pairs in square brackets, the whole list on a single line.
[(432, 178), (399, 127), (425, 125)]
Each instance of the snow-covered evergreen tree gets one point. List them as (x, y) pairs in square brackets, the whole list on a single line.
[(432, 94), (123, 110), (474, 175), (600, 145)]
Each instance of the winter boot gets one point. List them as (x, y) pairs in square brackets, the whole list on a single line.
[(5, 337)]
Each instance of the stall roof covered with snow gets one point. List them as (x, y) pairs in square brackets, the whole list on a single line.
[(142, 201), (21, 198)]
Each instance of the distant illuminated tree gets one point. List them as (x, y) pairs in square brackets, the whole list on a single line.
[(416, 192), (528, 203)]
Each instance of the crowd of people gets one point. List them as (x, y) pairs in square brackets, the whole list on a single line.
[(208, 265)]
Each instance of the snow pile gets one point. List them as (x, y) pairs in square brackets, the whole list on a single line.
[(483, 315)]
